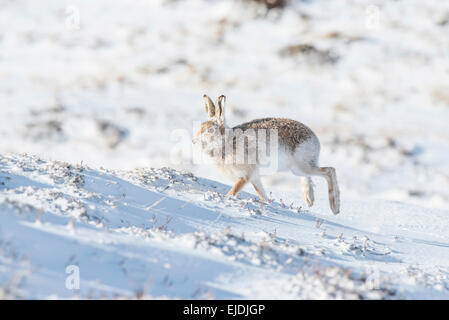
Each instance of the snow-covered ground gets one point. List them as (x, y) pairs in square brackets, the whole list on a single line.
[(119, 85), (161, 233)]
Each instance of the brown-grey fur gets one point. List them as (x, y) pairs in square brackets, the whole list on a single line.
[(290, 132)]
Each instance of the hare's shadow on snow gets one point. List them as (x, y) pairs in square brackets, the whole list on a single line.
[(139, 205)]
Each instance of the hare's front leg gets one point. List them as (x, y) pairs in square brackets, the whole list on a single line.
[(238, 186), (257, 184)]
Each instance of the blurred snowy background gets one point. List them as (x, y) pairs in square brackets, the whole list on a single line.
[(120, 84)]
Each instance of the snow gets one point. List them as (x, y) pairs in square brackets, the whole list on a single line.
[(162, 233), (112, 85)]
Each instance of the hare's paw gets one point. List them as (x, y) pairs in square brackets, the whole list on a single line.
[(335, 202), (308, 196), (307, 191)]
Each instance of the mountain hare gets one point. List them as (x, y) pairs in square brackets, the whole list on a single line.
[(297, 149)]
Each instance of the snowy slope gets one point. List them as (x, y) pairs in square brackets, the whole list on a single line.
[(161, 233)]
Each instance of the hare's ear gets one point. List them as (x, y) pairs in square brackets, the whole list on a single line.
[(219, 109), (210, 108)]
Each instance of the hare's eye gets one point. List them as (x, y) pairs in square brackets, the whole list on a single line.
[(211, 130)]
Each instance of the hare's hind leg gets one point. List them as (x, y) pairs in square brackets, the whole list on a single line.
[(329, 174), (306, 184), (334, 192), (305, 163), (307, 190)]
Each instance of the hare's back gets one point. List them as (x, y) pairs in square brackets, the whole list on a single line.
[(291, 133)]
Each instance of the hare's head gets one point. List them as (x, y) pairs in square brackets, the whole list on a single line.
[(211, 131)]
